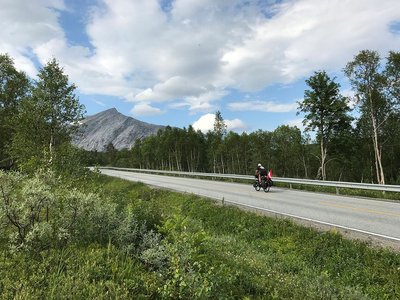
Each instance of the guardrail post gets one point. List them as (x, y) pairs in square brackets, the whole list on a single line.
[(223, 201), (337, 191), (290, 186)]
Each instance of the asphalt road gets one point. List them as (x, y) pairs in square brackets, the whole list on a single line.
[(375, 218)]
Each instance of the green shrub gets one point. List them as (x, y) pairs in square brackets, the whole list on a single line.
[(128, 241), (189, 276), (153, 252), (129, 234), (40, 213)]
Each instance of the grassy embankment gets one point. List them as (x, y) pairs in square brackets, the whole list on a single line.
[(171, 245)]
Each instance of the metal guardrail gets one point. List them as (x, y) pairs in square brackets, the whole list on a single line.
[(290, 181)]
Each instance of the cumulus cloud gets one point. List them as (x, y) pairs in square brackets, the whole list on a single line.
[(197, 51), (173, 88), (26, 25), (236, 125), (144, 109), (265, 106), (206, 123), (307, 35), (205, 101)]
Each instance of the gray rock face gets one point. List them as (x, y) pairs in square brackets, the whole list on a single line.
[(110, 126)]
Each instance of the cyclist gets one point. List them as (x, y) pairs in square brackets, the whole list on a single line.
[(260, 172)]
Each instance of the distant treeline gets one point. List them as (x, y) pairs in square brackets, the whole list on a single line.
[(285, 150)]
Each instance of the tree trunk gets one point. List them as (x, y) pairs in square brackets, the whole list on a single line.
[(323, 159), (380, 176), (214, 163), (51, 147), (305, 167)]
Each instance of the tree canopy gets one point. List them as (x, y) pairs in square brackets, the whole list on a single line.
[(14, 86), (46, 119), (326, 112)]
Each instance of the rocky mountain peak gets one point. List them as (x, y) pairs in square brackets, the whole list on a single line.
[(110, 126)]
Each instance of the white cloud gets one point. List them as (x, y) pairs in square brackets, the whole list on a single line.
[(173, 88), (265, 106), (195, 98), (308, 35), (351, 96), (296, 122), (26, 25), (144, 109), (206, 123), (236, 125), (204, 102), (101, 103), (198, 50)]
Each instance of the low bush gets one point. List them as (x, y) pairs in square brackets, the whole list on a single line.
[(40, 213), (114, 239)]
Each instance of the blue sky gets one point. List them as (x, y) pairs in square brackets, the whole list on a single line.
[(176, 62)]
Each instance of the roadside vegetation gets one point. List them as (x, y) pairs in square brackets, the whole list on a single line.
[(107, 238)]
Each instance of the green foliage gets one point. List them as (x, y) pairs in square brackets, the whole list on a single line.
[(376, 94), (276, 258), (219, 125), (189, 274), (325, 108), (326, 113), (286, 146), (45, 120), (39, 213), (14, 87), (195, 250), (92, 272), (130, 234)]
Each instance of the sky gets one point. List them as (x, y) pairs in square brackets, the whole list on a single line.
[(177, 62)]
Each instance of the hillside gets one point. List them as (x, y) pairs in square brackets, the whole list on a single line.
[(110, 126)]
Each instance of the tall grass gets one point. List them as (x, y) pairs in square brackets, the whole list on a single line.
[(174, 246)]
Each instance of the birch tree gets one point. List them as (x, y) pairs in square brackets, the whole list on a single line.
[(47, 118), (326, 112), (392, 77), (368, 83)]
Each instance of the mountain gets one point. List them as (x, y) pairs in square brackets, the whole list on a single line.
[(110, 126)]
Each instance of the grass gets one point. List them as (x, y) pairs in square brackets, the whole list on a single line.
[(277, 257), (210, 252)]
